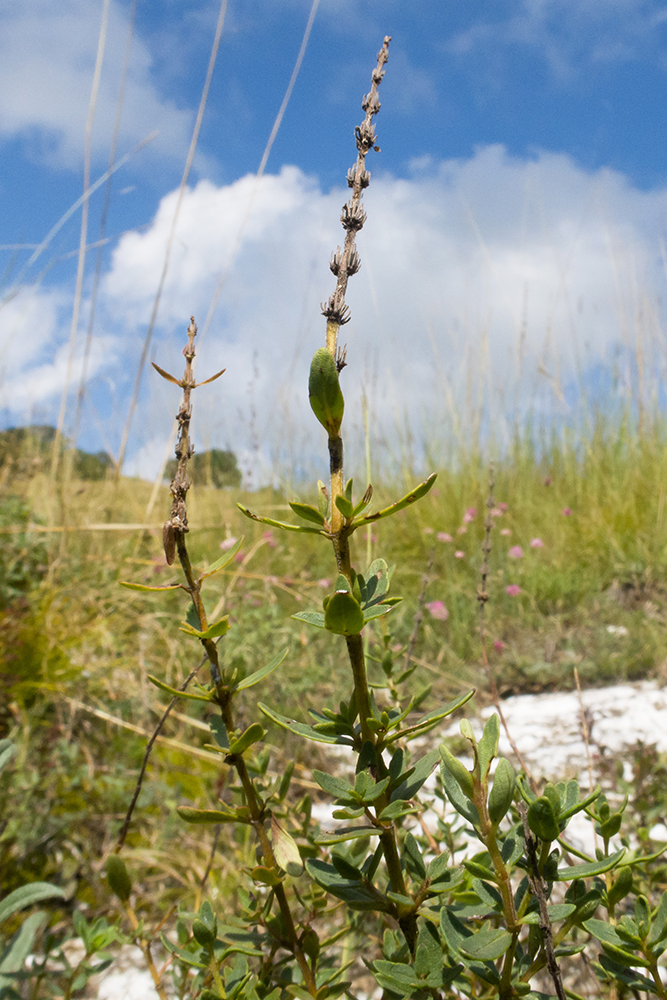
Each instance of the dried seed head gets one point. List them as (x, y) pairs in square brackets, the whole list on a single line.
[(334, 312), (336, 261), (353, 216), (341, 355), (364, 177), (169, 542), (353, 262)]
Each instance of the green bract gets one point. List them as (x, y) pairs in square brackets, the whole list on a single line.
[(324, 393)]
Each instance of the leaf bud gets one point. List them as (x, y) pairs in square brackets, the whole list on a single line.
[(542, 819), (621, 887), (324, 392), (460, 774), (119, 881), (204, 935)]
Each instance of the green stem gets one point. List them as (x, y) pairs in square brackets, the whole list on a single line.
[(355, 650)]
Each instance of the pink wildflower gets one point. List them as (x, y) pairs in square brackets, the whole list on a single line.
[(374, 538), (239, 557), (438, 610), (547, 481), (427, 531), (435, 492), (502, 506), (516, 552), (459, 555), (462, 530), (505, 531), (536, 543), (324, 583), (513, 590), (498, 645), (269, 539), (567, 511), (470, 515), (228, 543), (443, 536), (496, 512)]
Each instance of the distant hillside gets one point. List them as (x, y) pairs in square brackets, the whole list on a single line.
[(210, 468), (29, 449)]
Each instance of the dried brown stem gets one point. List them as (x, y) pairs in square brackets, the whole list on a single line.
[(346, 262), (540, 892), (174, 536), (156, 732)]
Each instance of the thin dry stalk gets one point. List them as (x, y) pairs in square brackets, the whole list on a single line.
[(540, 890), (103, 222), (101, 44), (482, 598), (149, 747), (172, 233), (260, 171)]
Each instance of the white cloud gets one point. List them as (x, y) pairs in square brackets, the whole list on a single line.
[(34, 353), (47, 58), (570, 34), (485, 283)]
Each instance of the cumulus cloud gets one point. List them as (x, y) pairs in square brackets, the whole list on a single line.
[(47, 57), (487, 286), (34, 353)]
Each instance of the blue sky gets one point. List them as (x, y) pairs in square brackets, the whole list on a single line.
[(516, 210)]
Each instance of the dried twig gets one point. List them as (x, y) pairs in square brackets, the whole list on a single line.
[(156, 732), (539, 890)]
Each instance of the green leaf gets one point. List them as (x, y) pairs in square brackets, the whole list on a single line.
[(396, 809), (223, 561), (588, 870), (343, 615), (219, 628), (142, 586), (324, 392), (334, 786), (421, 771), (307, 512), (28, 895), (7, 751), (559, 911), (457, 770), (543, 820), (301, 729), (416, 494), (260, 674), (345, 507), (253, 734), (487, 945), (285, 849), (487, 748), (457, 798), (623, 974), (315, 618), (322, 499), (429, 721), (21, 946), (207, 815), (176, 693), (283, 525), (118, 878), (343, 834), (502, 792), (357, 895), (377, 611)]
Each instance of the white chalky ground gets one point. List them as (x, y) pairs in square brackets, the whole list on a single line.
[(547, 729)]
